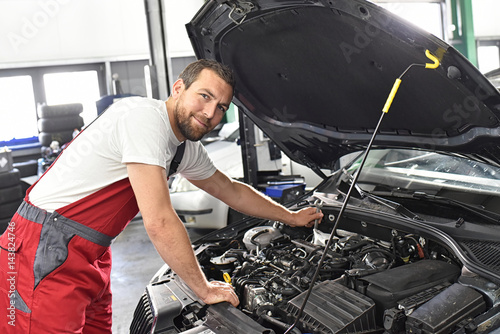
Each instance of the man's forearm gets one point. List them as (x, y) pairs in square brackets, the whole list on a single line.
[(247, 200), (173, 245), (169, 235), (254, 203)]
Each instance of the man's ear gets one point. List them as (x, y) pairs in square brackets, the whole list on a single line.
[(177, 87)]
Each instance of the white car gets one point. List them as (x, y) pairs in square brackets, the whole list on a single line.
[(195, 207), (198, 209)]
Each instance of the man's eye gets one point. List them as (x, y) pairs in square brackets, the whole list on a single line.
[(205, 96), (223, 109)]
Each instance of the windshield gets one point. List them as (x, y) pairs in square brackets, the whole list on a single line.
[(431, 172)]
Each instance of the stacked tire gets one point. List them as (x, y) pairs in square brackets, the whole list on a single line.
[(58, 122), (11, 196)]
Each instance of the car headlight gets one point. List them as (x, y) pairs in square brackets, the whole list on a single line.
[(181, 184)]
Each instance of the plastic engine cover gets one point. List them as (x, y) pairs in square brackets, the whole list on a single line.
[(334, 308)]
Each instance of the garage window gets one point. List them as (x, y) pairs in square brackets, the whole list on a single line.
[(488, 57), (74, 87), (426, 15), (17, 103)]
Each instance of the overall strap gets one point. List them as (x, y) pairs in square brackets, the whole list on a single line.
[(177, 158)]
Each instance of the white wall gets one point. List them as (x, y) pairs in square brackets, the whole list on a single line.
[(177, 14), (52, 31), (34, 32)]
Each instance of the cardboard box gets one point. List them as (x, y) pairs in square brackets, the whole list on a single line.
[(5, 160)]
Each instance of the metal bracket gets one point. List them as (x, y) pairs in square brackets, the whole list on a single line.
[(241, 8)]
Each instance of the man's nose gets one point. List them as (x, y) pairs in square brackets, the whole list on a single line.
[(209, 111)]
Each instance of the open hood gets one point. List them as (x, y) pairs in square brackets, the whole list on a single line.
[(314, 76)]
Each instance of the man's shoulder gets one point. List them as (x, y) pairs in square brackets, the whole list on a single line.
[(137, 110), (134, 102)]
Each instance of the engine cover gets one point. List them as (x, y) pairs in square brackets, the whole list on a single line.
[(334, 308)]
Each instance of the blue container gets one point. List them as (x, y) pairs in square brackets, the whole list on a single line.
[(276, 191)]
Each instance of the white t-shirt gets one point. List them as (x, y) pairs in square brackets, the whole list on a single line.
[(134, 129)]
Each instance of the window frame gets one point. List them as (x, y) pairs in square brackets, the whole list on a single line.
[(481, 41), (37, 74)]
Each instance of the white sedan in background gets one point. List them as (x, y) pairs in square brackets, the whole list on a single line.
[(197, 208)]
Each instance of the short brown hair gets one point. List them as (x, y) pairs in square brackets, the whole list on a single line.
[(192, 71)]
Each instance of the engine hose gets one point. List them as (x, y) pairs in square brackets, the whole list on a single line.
[(252, 239), (314, 253), (380, 250), (279, 323), (298, 264), (281, 290), (237, 255), (259, 270), (354, 247), (301, 270), (271, 249)]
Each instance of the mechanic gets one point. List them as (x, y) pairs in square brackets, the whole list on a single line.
[(55, 255)]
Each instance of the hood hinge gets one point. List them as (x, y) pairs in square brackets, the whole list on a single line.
[(239, 9)]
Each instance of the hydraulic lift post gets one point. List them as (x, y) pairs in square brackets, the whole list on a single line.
[(248, 151)]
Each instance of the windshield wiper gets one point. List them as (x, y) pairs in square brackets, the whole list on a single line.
[(394, 206), (421, 195), (397, 207), (477, 210)]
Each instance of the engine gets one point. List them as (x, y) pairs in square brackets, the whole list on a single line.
[(401, 283), (362, 285)]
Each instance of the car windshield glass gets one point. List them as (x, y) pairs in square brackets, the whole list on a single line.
[(433, 173)]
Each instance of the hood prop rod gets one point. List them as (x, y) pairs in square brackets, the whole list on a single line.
[(385, 109)]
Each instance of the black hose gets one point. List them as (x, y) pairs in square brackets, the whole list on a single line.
[(252, 239), (279, 323)]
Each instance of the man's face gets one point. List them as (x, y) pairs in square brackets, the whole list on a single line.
[(201, 107)]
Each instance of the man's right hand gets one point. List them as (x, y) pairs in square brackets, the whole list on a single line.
[(220, 292)]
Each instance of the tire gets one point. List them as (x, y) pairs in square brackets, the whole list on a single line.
[(10, 178), (25, 186), (59, 110), (57, 124), (27, 168), (7, 210), (63, 137), (11, 194)]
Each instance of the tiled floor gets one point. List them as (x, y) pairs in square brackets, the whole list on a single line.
[(135, 261)]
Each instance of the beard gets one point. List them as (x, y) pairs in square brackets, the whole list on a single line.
[(183, 121)]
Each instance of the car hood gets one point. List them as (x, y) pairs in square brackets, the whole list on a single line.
[(314, 76)]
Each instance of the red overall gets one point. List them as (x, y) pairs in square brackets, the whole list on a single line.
[(55, 267)]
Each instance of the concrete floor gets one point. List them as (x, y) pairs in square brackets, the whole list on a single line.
[(135, 261)]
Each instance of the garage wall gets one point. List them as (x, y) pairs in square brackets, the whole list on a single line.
[(177, 14), (36, 32), (51, 31)]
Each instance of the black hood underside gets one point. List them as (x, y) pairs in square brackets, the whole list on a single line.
[(314, 76)]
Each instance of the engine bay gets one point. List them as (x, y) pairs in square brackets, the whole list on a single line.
[(393, 283)]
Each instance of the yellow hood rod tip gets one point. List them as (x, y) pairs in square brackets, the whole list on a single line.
[(395, 87)]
